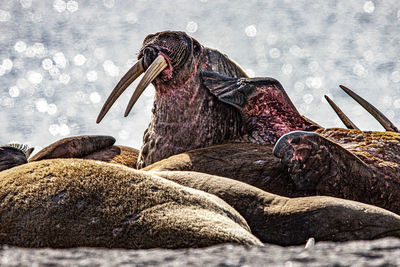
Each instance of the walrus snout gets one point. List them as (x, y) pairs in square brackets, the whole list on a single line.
[(150, 53), (164, 50)]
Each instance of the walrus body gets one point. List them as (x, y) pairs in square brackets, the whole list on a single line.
[(185, 115), (291, 221), (75, 202), (347, 163)]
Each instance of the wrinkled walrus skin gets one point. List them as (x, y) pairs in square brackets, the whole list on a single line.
[(185, 115), (346, 163), (285, 221), (193, 109), (351, 164), (182, 97), (64, 203)]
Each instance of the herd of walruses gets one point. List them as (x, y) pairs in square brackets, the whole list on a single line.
[(225, 159)]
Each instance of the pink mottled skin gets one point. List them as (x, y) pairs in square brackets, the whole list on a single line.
[(269, 114), (267, 111), (186, 115), (346, 163)]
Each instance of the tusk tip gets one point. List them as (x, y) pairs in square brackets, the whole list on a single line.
[(127, 111), (99, 118)]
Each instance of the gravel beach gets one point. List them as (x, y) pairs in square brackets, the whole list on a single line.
[(383, 252)]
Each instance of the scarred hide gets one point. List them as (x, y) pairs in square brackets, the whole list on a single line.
[(346, 163)]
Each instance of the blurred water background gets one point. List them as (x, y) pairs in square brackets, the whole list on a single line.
[(59, 60)]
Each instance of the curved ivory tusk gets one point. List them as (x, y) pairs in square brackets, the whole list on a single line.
[(158, 65), (385, 122), (347, 122), (125, 81)]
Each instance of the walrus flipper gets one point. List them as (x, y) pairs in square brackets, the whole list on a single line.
[(74, 147), (235, 91)]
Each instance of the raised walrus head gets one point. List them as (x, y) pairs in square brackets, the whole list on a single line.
[(185, 115)]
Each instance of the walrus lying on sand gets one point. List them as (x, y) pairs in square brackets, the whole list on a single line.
[(76, 202)]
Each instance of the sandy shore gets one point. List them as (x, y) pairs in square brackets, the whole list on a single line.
[(383, 252)]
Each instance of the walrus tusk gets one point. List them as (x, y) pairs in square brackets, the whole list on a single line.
[(125, 81), (158, 65), (385, 122), (347, 122)]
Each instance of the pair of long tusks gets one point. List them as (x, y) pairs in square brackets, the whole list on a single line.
[(156, 67), (382, 119), (347, 122)]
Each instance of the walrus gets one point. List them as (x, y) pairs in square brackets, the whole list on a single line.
[(64, 203), (291, 221), (346, 163), (185, 115)]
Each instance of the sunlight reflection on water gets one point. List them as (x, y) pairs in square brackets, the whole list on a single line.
[(59, 60)]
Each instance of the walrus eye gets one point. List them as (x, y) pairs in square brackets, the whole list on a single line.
[(196, 45)]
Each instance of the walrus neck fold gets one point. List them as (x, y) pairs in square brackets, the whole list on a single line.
[(267, 119)]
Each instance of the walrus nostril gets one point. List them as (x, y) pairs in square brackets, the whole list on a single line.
[(150, 53)]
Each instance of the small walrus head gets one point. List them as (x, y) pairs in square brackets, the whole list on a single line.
[(179, 51), (13, 155), (185, 114), (168, 60)]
